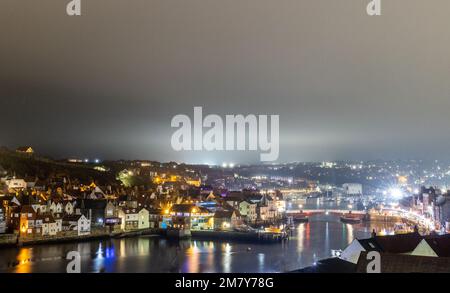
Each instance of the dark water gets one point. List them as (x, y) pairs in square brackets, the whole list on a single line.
[(311, 242)]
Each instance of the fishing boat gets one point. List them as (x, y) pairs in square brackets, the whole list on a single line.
[(350, 218), (300, 217)]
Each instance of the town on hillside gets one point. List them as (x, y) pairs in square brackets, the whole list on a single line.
[(142, 197), (45, 200)]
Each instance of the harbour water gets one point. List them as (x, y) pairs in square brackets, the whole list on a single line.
[(309, 243)]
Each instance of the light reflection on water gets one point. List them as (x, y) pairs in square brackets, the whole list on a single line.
[(24, 258), (310, 242)]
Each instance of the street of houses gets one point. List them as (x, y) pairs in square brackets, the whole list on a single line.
[(32, 211)]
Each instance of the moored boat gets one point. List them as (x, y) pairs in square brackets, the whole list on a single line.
[(350, 218), (300, 218)]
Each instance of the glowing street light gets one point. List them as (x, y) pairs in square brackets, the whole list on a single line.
[(396, 193)]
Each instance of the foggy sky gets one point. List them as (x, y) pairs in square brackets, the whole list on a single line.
[(107, 84)]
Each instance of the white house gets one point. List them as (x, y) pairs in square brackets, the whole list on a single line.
[(268, 209), (129, 218), (248, 210), (77, 223), (69, 208), (51, 206), (49, 226), (227, 220), (40, 208), (352, 252), (54, 207), (2, 221), (144, 219), (38, 225), (58, 217), (16, 184), (59, 208)]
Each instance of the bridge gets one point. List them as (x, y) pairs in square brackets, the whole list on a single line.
[(324, 211)]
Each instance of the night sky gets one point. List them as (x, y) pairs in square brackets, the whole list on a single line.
[(107, 84)]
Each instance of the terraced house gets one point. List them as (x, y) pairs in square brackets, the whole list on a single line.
[(2, 221)]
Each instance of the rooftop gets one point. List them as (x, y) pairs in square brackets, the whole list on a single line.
[(403, 263)]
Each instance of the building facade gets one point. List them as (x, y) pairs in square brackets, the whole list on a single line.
[(248, 210), (2, 221), (353, 188), (144, 219)]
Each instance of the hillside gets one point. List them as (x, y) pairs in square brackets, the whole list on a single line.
[(24, 165)]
